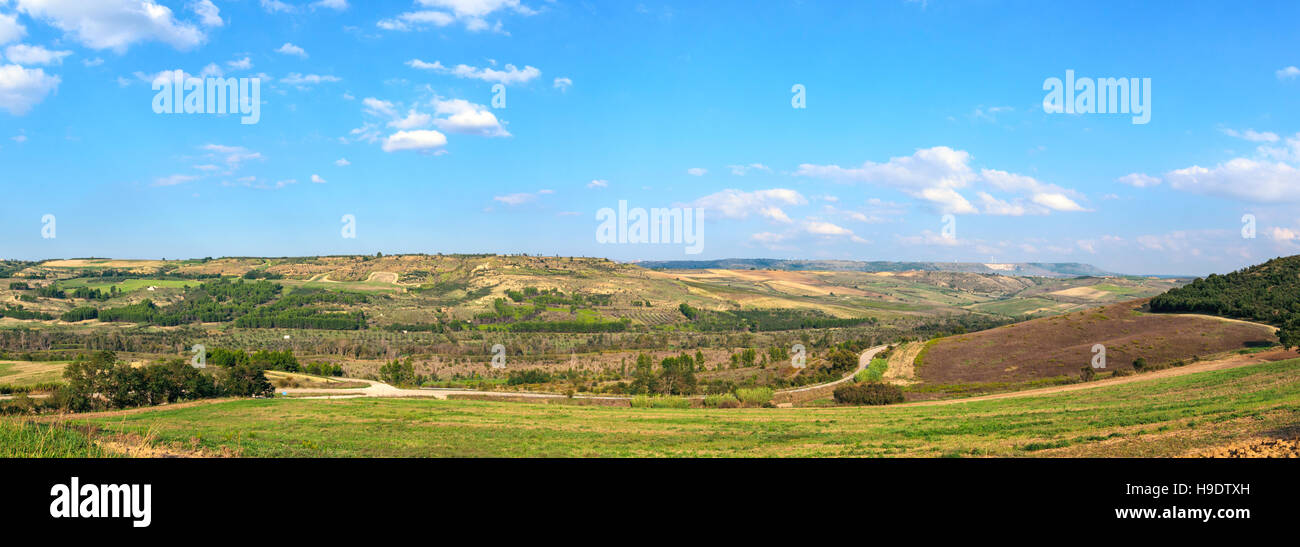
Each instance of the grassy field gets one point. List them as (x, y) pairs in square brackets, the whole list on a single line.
[(1161, 417), (24, 373), (26, 440)]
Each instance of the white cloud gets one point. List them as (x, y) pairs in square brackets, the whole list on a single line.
[(416, 20), (1241, 178), (337, 5), (240, 64), (302, 81), (423, 140), (1288, 73), (471, 13), (598, 183), (10, 29), (930, 174), (209, 15), (1284, 234), (522, 197), (24, 54), (317, 179), (342, 162), (1251, 135), (562, 84), (936, 175), (232, 155), (1138, 180), (20, 139), (462, 116), (696, 171), (413, 120), (376, 107), (114, 24), (174, 180), (276, 6), (511, 75), (290, 49), (742, 170), (737, 204), (23, 88)]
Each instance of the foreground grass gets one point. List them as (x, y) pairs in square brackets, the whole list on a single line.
[(1163, 417), (25, 440)]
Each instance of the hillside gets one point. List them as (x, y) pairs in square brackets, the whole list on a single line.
[(1060, 346), (1039, 269), (1267, 293)]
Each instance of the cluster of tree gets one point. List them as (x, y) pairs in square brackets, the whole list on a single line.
[(868, 394), (768, 320), (675, 376), (101, 382), (532, 376), (400, 373), (261, 274), (19, 286), (84, 313), (218, 301), (564, 326), (283, 360), (18, 312), (50, 291), (1268, 293), (87, 293), (320, 368)]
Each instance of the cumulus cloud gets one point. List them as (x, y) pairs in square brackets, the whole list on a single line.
[(1138, 180), (511, 75), (738, 204), (24, 54), (598, 183), (1288, 73), (208, 13), (423, 140), (1240, 178), (461, 116), (342, 162), (742, 170), (10, 29), (522, 197), (174, 180), (1251, 135), (696, 171), (336, 5), (472, 14), (304, 80), (936, 175), (317, 179), (290, 49), (23, 88), (114, 24), (562, 84)]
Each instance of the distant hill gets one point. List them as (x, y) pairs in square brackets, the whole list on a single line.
[(1268, 293), (1033, 269)]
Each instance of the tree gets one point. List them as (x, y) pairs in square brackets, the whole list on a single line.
[(644, 379), (398, 373)]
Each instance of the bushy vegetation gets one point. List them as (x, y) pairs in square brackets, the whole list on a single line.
[(659, 401), (868, 394), (721, 400), (757, 396), (874, 372)]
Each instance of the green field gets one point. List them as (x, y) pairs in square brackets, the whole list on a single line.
[(1137, 419), (24, 440), (129, 285)]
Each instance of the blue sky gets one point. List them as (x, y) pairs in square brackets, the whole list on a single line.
[(914, 110)]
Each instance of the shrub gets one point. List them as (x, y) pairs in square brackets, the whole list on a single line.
[(1087, 374), (873, 373), (755, 396), (646, 401), (1121, 373), (1140, 364), (868, 394), (721, 400)]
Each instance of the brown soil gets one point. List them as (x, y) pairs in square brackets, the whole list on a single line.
[(1256, 448), (1062, 345)]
